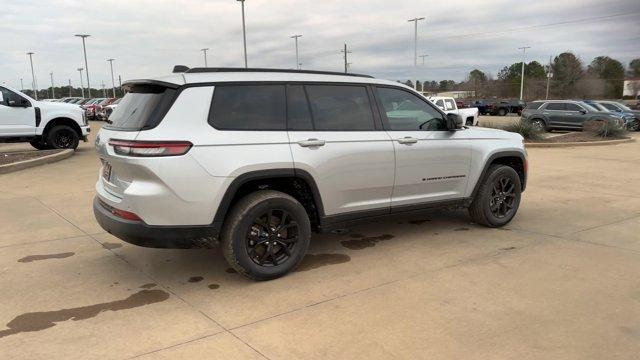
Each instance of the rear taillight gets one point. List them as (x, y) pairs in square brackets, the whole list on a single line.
[(150, 148), (127, 215)]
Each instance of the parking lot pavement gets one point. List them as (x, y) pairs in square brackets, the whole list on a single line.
[(560, 281)]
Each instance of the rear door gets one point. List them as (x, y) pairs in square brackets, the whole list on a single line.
[(432, 163), (17, 114), (576, 115), (555, 112), (337, 138)]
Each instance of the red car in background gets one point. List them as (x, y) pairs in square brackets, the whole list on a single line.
[(93, 109)]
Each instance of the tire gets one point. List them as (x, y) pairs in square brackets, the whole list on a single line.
[(483, 208), (39, 144), (635, 126), (502, 112), (469, 122), (62, 137), (245, 218), (539, 123)]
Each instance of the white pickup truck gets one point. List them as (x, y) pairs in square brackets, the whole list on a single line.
[(448, 105), (45, 125)]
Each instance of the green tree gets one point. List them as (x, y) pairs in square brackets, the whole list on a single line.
[(611, 71), (634, 68), (477, 77), (567, 71)]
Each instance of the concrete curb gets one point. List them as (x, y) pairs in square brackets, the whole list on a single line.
[(21, 165), (572, 144)]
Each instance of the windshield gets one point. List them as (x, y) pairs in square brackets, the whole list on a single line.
[(590, 107), (598, 106), (141, 108), (624, 107)]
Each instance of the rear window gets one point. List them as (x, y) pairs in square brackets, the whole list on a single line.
[(141, 108), (248, 107), (534, 105)]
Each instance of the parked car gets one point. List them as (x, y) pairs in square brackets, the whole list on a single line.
[(565, 114), (484, 106), (449, 106), (106, 111), (91, 107), (258, 159), (46, 125), (631, 117)]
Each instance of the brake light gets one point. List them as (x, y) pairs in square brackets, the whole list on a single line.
[(150, 148), (127, 215)]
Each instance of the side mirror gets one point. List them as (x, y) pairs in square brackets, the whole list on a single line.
[(583, 111), (454, 122)]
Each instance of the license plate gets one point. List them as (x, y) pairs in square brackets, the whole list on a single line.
[(106, 171)]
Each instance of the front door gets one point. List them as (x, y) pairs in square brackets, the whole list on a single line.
[(334, 137), (432, 163), (17, 115), (576, 115)]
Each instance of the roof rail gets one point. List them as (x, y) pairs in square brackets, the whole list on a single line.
[(231, 69)]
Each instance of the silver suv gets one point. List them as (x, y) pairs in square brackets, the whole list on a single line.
[(258, 159)]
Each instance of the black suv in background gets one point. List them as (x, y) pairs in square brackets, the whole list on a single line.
[(501, 107), (565, 114)]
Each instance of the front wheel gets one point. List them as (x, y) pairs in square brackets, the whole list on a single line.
[(266, 235), (502, 112), (539, 124), (39, 144), (498, 197), (634, 126), (62, 137)]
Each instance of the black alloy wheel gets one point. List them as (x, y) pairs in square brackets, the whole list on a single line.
[(503, 197), (272, 238)]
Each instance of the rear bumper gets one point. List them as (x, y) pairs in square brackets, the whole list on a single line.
[(168, 237)]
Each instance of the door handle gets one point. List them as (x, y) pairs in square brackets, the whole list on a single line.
[(311, 143), (408, 140)]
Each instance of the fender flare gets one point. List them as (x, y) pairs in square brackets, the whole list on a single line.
[(491, 159)]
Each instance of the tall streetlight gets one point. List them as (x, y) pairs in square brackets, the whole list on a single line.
[(33, 76), (524, 48), (81, 82), (423, 56), (295, 37), (244, 34), (415, 47), (21, 85), (113, 82), (53, 91), (205, 56), (86, 65)]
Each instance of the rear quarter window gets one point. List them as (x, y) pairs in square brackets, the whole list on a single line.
[(143, 107)]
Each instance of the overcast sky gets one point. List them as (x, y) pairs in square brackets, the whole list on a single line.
[(148, 37)]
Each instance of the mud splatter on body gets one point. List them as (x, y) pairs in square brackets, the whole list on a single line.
[(31, 258)]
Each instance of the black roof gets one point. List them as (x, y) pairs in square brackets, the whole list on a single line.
[(184, 69)]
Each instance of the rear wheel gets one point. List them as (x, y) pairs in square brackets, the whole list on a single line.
[(62, 137), (266, 235), (498, 197), (502, 112)]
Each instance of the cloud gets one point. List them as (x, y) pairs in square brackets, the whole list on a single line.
[(148, 37)]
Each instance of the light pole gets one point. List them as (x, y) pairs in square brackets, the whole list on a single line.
[(524, 48), (549, 76), (205, 56), (33, 76), (415, 44), (53, 91), (113, 83), (86, 65), (81, 82), (21, 85), (295, 37), (70, 94), (423, 56), (244, 35), (346, 52)]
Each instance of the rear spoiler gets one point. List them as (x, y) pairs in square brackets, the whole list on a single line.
[(129, 83)]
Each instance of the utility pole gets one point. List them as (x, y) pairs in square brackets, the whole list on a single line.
[(244, 35), (295, 37), (113, 83), (205, 56), (21, 85), (70, 94), (86, 65), (33, 76), (346, 58), (423, 56), (549, 76), (524, 49), (53, 91), (104, 90), (415, 46), (120, 80), (81, 82)]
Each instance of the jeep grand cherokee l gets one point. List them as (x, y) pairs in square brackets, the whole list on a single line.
[(258, 159)]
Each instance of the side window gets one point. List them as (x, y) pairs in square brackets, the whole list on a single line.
[(573, 107), (298, 113), (407, 112), (248, 107), (449, 104), (533, 105), (8, 95), (555, 106), (440, 104), (340, 107), (610, 107)]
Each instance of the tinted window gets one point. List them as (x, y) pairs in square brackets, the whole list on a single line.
[(8, 95), (298, 113), (573, 107), (406, 111), (440, 104), (340, 107), (555, 106), (610, 107), (534, 105), (142, 107), (449, 104), (248, 107)]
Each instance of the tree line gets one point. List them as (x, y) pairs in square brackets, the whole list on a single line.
[(603, 77)]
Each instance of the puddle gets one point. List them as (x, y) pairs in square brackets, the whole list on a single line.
[(195, 279), (213, 286), (419, 222), (311, 261), (31, 258), (365, 242), (462, 229), (231, 270), (110, 246), (37, 321), (508, 248), (148, 286)]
